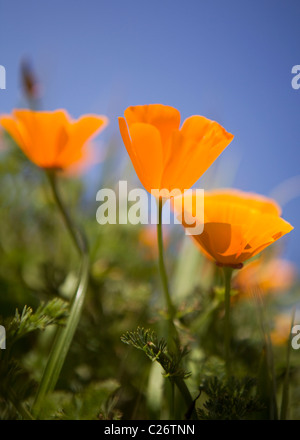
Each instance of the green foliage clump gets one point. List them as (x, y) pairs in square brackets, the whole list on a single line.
[(232, 399)]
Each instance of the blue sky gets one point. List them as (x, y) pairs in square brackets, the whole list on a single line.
[(228, 60)]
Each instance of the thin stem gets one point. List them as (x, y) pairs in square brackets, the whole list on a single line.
[(65, 334), (285, 392), (173, 339), (162, 269), (227, 276), (77, 237), (182, 387), (172, 400), (269, 351), (172, 334)]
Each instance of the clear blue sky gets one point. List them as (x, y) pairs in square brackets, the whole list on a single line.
[(229, 60)]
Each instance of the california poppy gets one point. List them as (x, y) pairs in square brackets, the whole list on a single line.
[(166, 156), (237, 225), (52, 139)]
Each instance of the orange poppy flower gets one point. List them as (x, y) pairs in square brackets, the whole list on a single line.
[(237, 225), (51, 139), (165, 156)]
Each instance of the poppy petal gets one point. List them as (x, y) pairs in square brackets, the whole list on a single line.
[(235, 196), (165, 118), (194, 148), (132, 154), (15, 131), (78, 133), (44, 131), (237, 225), (146, 143)]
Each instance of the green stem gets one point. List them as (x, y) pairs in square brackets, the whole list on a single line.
[(162, 269), (269, 354), (227, 276), (182, 387), (173, 339), (65, 334), (285, 391), (77, 236), (172, 400)]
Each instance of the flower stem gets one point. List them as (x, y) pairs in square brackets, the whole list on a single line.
[(162, 269), (65, 334), (77, 236), (172, 334), (227, 276), (172, 338), (285, 391), (182, 387), (172, 401)]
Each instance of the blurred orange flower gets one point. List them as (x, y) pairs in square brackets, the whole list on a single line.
[(52, 139), (271, 275), (282, 328), (165, 156), (237, 225), (93, 155)]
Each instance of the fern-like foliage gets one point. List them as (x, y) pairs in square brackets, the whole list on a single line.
[(16, 385), (232, 399), (156, 350), (53, 312)]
